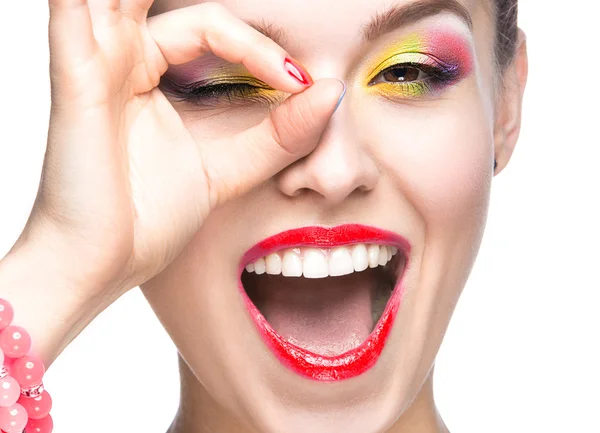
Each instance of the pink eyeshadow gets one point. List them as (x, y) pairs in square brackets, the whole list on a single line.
[(451, 49)]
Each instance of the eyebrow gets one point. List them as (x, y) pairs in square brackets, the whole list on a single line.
[(395, 17), (402, 15)]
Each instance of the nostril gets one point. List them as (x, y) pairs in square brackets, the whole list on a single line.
[(299, 191), (294, 192), (365, 188), (335, 170)]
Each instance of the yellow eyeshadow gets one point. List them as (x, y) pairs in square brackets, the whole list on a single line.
[(236, 74), (244, 89), (401, 58), (413, 43), (406, 90), (414, 51), (228, 70), (229, 73)]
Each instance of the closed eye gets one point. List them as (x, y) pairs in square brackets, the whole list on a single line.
[(242, 91)]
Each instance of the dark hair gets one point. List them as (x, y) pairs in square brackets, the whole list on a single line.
[(506, 31)]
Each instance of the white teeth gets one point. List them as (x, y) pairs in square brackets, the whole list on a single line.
[(360, 258), (340, 262), (292, 265), (322, 262), (383, 255), (259, 266), (373, 253), (315, 264), (273, 262)]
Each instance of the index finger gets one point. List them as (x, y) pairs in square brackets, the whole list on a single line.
[(185, 34)]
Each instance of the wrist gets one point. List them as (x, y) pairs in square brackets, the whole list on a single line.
[(48, 301)]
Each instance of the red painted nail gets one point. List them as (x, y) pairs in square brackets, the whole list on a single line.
[(298, 72)]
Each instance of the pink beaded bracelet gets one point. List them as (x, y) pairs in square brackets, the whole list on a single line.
[(24, 404)]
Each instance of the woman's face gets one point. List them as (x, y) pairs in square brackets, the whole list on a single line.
[(409, 153)]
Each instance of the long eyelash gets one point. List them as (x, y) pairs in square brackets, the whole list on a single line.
[(440, 74), (211, 93)]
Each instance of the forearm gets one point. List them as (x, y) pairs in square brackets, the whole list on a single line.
[(46, 298)]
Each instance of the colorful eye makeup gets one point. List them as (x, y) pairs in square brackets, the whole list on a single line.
[(229, 84), (230, 89), (218, 90), (419, 65), (415, 66)]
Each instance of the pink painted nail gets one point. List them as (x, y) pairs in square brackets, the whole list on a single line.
[(298, 72)]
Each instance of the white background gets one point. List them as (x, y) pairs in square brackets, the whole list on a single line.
[(521, 354)]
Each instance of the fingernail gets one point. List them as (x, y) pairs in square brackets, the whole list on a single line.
[(341, 96), (298, 72)]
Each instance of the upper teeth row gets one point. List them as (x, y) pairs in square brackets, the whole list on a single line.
[(319, 263)]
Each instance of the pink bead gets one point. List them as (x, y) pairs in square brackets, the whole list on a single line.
[(15, 341), (8, 364), (6, 313), (37, 407), (13, 419), (1, 357), (9, 391), (28, 370), (44, 425)]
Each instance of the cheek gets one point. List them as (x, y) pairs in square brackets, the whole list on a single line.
[(439, 162), (440, 158)]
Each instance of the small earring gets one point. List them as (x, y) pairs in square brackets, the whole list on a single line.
[(495, 164)]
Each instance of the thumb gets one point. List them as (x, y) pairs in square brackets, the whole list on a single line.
[(236, 164)]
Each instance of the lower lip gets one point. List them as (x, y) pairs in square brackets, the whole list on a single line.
[(308, 364)]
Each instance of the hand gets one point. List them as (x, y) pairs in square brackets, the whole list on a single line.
[(124, 184)]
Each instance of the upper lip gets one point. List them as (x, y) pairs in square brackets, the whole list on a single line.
[(325, 237)]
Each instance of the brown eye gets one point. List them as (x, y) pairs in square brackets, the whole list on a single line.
[(402, 74)]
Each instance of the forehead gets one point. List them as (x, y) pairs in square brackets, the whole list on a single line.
[(337, 23)]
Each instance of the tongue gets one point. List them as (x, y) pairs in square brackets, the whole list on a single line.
[(327, 316)]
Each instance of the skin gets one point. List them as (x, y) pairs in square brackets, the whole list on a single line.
[(429, 160), (138, 189)]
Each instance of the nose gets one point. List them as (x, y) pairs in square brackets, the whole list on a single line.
[(338, 167)]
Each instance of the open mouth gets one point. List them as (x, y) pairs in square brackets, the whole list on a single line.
[(324, 299)]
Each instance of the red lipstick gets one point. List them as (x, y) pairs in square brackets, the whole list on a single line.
[(304, 362)]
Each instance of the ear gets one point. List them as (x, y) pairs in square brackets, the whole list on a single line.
[(509, 105)]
